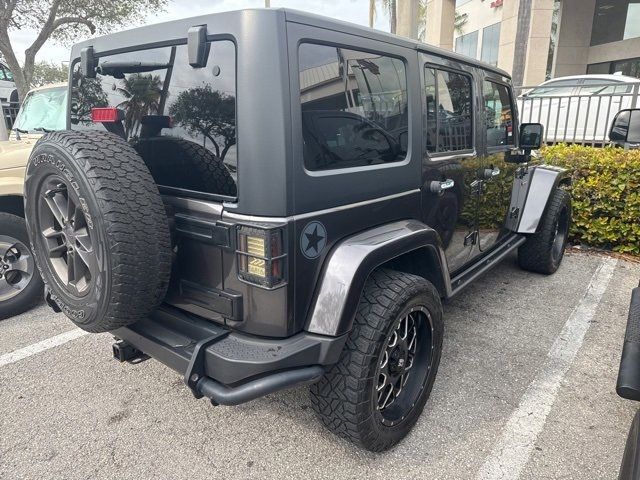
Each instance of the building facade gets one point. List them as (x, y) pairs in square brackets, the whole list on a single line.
[(539, 39)]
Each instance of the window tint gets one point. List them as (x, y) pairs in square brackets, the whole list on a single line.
[(181, 120), (354, 107), (3, 75), (448, 100), (498, 114)]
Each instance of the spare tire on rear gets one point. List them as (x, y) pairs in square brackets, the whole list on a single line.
[(98, 228)]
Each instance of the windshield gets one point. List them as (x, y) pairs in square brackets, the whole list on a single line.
[(43, 110)]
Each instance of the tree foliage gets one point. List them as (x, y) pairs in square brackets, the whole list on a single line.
[(64, 21), (204, 111), (48, 72)]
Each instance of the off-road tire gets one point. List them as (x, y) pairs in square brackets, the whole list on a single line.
[(175, 162), (15, 227), (343, 398), (537, 253), (129, 228)]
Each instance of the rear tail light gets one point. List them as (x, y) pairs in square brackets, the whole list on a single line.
[(261, 256), (106, 115)]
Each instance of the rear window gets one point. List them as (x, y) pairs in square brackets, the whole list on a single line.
[(554, 89), (354, 107), (181, 120)]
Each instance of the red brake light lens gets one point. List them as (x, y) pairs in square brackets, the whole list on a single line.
[(105, 115)]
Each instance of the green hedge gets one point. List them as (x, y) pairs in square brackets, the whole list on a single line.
[(605, 192)]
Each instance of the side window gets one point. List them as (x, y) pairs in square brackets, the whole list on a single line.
[(181, 120), (354, 107), (3, 76), (448, 110), (498, 112)]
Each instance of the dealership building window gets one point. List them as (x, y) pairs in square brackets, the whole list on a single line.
[(629, 67), (615, 20), (490, 44), (468, 44)]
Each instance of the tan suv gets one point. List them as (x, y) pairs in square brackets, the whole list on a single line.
[(43, 110)]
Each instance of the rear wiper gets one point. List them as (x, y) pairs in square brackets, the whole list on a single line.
[(118, 69), (42, 129)]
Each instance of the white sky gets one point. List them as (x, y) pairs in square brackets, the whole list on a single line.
[(356, 11)]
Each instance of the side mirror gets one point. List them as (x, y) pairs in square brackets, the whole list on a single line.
[(625, 129), (531, 135)]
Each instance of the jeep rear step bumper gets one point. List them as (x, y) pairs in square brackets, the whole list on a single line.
[(228, 367)]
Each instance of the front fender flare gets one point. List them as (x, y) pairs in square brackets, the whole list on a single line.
[(351, 262), (542, 181)]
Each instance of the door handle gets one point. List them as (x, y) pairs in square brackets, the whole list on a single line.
[(490, 173), (439, 187)]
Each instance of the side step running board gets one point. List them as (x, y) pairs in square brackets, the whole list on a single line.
[(628, 385)]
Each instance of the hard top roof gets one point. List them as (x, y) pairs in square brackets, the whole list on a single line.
[(177, 29)]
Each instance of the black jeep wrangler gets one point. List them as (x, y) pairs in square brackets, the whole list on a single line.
[(264, 199)]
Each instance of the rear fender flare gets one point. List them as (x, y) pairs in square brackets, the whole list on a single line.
[(351, 262)]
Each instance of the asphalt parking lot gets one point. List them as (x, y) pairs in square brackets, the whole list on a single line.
[(525, 390)]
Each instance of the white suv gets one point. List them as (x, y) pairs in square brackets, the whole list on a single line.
[(8, 92), (579, 108)]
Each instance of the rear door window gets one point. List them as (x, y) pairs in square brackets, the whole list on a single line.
[(354, 107), (448, 102), (181, 120)]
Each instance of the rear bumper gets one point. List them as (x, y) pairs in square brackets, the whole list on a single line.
[(226, 366)]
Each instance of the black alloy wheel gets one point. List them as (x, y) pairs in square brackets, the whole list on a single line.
[(404, 364), (65, 228), (16, 267)]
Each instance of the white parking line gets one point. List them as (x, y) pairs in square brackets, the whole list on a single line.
[(512, 451), (25, 352)]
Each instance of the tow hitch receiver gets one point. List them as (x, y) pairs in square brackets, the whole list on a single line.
[(125, 352)]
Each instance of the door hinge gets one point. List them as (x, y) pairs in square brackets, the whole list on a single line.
[(515, 212)]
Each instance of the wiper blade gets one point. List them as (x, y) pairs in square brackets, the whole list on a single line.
[(19, 130), (42, 129), (118, 69)]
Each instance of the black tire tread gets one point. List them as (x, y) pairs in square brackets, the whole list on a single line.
[(168, 158), (340, 397), (535, 254), (135, 223)]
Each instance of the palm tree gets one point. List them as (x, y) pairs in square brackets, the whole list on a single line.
[(142, 93), (390, 7)]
